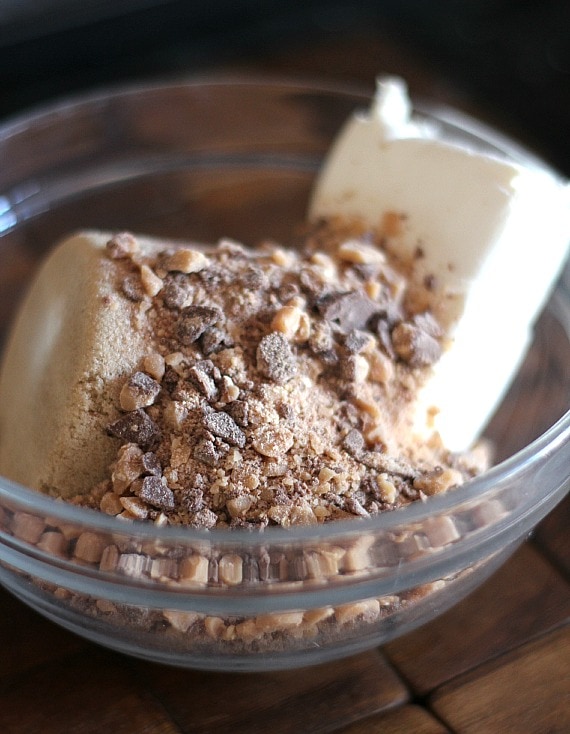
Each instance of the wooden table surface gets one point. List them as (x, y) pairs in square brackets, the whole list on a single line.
[(497, 662)]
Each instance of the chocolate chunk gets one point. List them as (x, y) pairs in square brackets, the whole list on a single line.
[(214, 340), (356, 341), (250, 570), (223, 425), (353, 443), (170, 379), (206, 451), (135, 427), (139, 391), (287, 291), (206, 519), (311, 285), (415, 341), (349, 311), (239, 411), (175, 292), (154, 492), (353, 505), (253, 278), (122, 245), (275, 359), (202, 376), (193, 499), (383, 330), (321, 338), (132, 288), (151, 464), (193, 322), (383, 463)]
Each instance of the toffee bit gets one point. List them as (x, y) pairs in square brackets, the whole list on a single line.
[(193, 322), (154, 491), (223, 425), (275, 359), (135, 427)]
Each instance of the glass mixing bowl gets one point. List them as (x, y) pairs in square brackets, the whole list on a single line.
[(210, 158)]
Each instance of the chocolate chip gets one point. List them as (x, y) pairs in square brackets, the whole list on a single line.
[(223, 425), (275, 359), (154, 492), (353, 443), (135, 427), (193, 322), (349, 311)]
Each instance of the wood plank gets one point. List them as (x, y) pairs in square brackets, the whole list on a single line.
[(552, 535), (315, 699), (525, 598), (402, 720), (85, 694), (526, 691), (28, 640)]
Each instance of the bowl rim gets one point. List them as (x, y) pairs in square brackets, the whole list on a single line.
[(556, 437)]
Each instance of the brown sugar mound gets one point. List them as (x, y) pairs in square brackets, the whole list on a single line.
[(223, 386)]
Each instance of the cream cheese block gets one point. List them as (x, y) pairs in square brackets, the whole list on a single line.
[(73, 336), (493, 235)]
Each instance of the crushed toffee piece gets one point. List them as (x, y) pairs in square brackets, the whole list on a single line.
[(278, 388)]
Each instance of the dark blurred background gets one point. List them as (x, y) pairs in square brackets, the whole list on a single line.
[(506, 60)]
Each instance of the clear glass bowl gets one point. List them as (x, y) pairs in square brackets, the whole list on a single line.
[(206, 159)]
